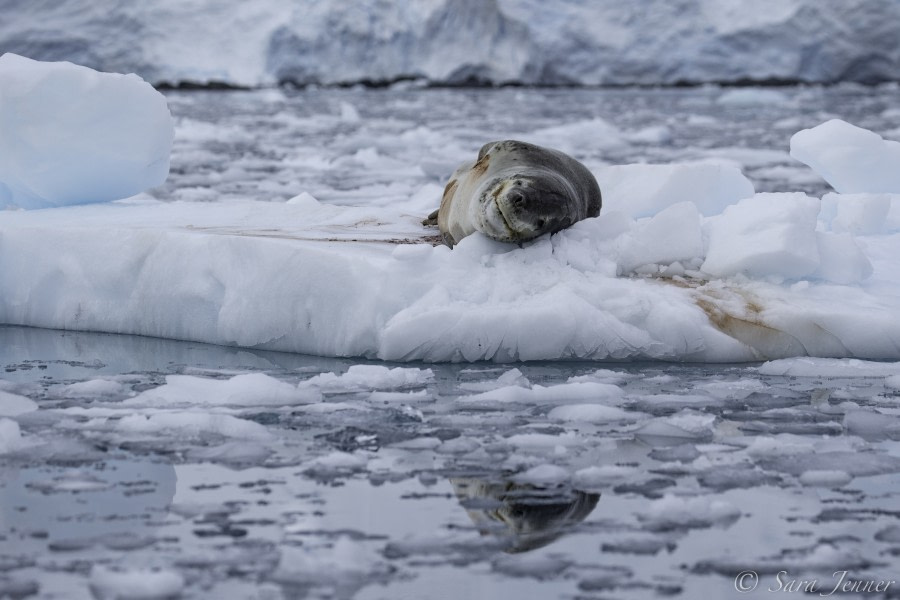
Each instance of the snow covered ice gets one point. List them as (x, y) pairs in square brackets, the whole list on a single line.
[(71, 135)]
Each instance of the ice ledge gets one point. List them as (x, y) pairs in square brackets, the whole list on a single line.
[(331, 285)]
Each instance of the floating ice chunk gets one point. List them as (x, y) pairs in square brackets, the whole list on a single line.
[(753, 97), (71, 135), (237, 453), (344, 565), (591, 413), (371, 377), (671, 235), (415, 396), (645, 190), (193, 424), (335, 463), (872, 425), (686, 424), (459, 445), (852, 159), (512, 377), (596, 477), (543, 441), (675, 513), (564, 392), (92, 388), (732, 390), (135, 583), (536, 565), (607, 376), (544, 475), (859, 214), (778, 446), (766, 235), (12, 405), (249, 389), (825, 478), (10, 436), (828, 367)]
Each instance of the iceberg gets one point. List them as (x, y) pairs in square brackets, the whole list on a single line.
[(72, 135), (569, 42)]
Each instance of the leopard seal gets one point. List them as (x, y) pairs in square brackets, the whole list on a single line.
[(515, 191)]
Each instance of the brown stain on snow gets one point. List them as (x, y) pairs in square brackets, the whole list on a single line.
[(739, 314)]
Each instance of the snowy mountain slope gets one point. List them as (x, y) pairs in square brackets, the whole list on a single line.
[(580, 42)]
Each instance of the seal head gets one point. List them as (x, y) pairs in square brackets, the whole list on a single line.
[(515, 192)]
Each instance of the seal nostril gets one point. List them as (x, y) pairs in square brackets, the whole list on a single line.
[(517, 198)]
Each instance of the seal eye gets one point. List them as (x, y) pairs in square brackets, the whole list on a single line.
[(539, 223)]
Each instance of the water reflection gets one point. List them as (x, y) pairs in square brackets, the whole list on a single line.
[(112, 503), (525, 516)]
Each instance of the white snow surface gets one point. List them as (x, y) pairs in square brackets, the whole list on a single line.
[(529, 41), (72, 135)]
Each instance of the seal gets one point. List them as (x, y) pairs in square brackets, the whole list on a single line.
[(525, 517), (515, 191)]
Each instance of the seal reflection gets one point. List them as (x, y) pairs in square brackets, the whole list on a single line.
[(525, 517)]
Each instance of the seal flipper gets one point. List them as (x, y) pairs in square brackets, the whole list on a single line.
[(447, 239), (432, 219)]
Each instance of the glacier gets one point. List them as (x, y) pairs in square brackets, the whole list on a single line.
[(571, 42)]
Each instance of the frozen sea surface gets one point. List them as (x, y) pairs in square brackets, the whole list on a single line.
[(141, 467)]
